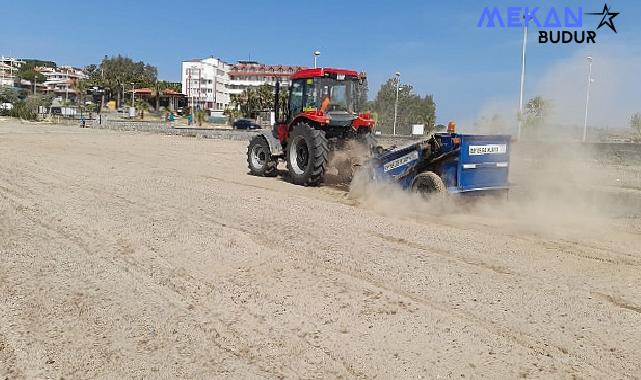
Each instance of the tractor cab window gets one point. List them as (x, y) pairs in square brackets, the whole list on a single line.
[(337, 95), (310, 101), (296, 97)]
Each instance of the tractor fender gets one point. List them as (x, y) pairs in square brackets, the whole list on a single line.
[(311, 119), (275, 148)]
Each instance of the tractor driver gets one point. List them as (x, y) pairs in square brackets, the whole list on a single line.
[(326, 99)]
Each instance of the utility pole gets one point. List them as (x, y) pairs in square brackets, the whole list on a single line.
[(200, 91), (526, 20), (587, 100), (133, 94), (398, 82), (102, 84), (188, 84), (123, 96)]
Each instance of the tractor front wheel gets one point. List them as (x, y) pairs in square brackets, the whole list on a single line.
[(307, 153)]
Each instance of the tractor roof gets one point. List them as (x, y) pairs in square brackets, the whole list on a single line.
[(322, 72)]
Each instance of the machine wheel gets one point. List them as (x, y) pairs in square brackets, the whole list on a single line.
[(259, 158), (428, 183), (307, 155)]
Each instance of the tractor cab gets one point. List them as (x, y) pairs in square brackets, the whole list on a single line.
[(333, 94), (329, 99)]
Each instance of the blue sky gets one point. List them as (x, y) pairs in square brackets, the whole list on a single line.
[(436, 45)]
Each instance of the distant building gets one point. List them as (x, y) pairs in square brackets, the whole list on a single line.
[(8, 68), (209, 83), (61, 80), (248, 74), (205, 83)]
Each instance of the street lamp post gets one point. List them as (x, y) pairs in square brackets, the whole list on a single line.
[(316, 54), (398, 81), (523, 50), (587, 100)]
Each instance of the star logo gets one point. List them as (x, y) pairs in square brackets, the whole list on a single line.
[(607, 17)]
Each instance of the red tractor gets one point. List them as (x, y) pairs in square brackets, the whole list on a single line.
[(322, 117)]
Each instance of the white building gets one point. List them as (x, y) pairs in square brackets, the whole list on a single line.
[(8, 68), (205, 83), (60, 80), (61, 74)]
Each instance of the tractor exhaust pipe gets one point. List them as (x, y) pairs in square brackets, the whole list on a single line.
[(277, 102)]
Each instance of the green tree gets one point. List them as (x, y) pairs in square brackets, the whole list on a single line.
[(35, 101), (232, 112), (28, 71), (159, 86), (142, 106), (32, 76), (635, 123), (30, 64), (28, 108), (95, 79), (412, 108), (8, 95), (536, 111), (200, 117), (117, 71), (81, 88), (256, 99), (283, 103), (361, 102)]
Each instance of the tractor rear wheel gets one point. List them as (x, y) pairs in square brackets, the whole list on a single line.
[(259, 158), (307, 153), (428, 183)]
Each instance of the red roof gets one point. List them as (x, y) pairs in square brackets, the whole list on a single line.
[(259, 69), (170, 92), (150, 92), (260, 73), (320, 72), (142, 91)]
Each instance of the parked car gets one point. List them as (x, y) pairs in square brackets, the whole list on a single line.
[(246, 124), (6, 106)]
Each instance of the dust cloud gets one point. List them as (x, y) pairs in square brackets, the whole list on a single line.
[(559, 186), (563, 84), (344, 162), (556, 191)]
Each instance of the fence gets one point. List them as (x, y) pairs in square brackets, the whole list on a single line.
[(167, 128), (615, 152)]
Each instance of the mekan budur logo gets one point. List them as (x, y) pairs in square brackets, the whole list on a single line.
[(552, 22)]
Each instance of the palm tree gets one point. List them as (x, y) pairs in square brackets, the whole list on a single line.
[(142, 106), (160, 85), (81, 87)]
